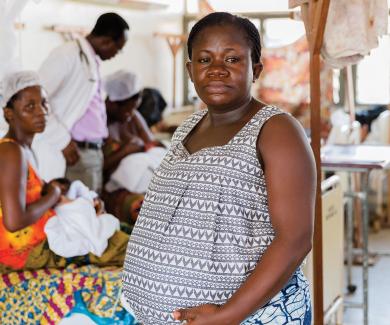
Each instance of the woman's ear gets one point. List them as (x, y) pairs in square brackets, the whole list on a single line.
[(257, 68), (8, 114), (189, 69)]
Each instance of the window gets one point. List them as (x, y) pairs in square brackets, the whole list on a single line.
[(282, 31), (373, 75)]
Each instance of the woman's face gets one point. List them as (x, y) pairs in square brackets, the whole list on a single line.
[(29, 111), (221, 69), (125, 110)]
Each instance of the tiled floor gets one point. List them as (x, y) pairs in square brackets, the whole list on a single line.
[(379, 285)]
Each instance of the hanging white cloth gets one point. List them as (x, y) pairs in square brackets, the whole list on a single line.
[(352, 29), (9, 60), (9, 55), (361, 21)]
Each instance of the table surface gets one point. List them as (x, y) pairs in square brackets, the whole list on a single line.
[(355, 156)]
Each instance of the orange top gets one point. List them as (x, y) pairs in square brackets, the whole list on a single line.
[(16, 246)]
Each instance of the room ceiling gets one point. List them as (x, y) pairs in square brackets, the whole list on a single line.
[(129, 4)]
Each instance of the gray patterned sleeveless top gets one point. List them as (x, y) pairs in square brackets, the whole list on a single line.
[(202, 228)]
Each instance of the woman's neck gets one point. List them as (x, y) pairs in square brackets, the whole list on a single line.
[(23, 139), (220, 117)]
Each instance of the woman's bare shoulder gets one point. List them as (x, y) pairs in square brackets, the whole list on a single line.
[(11, 153), (282, 129)]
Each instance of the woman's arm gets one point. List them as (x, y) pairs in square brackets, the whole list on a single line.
[(143, 130), (290, 177), (13, 183), (112, 160)]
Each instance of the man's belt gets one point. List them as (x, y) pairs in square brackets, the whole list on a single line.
[(89, 145)]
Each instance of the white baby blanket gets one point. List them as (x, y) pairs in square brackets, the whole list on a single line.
[(76, 230)]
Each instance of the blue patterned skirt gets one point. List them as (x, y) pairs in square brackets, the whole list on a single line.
[(290, 306)]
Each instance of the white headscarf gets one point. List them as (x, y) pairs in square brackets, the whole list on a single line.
[(15, 82), (122, 85)]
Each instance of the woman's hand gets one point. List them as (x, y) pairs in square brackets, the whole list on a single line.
[(127, 147), (99, 206), (63, 200), (71, 153), (134, 144), (208, 314), (54, 190)]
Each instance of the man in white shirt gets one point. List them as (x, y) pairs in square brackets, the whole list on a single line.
[(77, 120)]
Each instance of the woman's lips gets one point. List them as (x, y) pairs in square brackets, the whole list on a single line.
[(216, 88), (40, 124)]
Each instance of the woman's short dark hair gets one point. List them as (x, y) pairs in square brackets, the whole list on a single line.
[(225, 18), (110, 24)]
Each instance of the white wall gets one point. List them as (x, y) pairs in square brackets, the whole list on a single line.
[(144, 54)]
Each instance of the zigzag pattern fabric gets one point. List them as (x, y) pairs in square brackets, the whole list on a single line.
[(202, 229)]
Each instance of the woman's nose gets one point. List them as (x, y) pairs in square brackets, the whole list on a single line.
[(42, 110), (217, 69)]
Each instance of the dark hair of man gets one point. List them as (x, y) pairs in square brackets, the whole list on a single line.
[(225, 18), (110, 24)]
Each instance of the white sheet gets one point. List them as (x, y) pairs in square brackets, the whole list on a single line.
[(135, 171)]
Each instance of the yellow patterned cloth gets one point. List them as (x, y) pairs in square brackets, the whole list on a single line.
[(47, 295)]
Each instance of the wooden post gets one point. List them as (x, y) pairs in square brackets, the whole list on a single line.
[(175, 41), (315, 27), (315, 120)]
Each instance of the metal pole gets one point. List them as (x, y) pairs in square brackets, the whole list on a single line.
[(351, 288), (365, 228)]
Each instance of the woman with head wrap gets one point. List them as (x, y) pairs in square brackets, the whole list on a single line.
[(131, 154), (26, 203)]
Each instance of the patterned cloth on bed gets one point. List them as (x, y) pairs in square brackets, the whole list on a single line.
[(47, 295)]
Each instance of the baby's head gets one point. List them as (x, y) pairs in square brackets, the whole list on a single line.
[(64, 184), (124, 95), (225, 52), (23, 102)]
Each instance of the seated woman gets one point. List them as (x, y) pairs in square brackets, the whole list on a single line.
[(131, 152), (24, 209)]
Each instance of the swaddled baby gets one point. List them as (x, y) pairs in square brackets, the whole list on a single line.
[(73, 190), (81, 225)]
